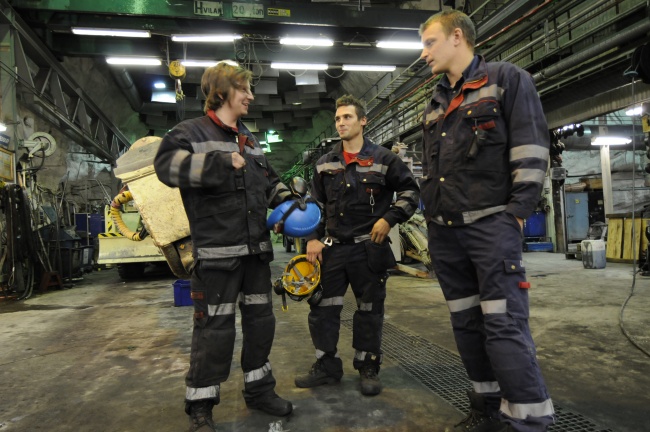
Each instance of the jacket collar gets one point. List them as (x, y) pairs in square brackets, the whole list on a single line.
[(476, 70), (364, 153), (244, 137)]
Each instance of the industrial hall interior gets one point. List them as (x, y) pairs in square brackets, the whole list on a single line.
[(101, 301)]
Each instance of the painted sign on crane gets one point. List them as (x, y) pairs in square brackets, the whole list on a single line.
[(247, 10), (208, 8)]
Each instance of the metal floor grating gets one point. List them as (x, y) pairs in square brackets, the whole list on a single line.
[(442, 372)]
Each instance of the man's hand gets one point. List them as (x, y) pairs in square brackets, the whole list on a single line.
[(315, 250), (521, 223), (237, 160), (380, 230)]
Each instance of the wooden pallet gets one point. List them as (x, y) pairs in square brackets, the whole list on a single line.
[(620, 243)]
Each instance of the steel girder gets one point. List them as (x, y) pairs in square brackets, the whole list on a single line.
[(47, 87)]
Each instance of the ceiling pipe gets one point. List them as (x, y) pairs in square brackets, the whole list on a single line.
[(637, 30), (515, 37), (560, 30), (125, 82)]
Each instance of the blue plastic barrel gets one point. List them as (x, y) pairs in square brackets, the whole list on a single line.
[(535, 225)]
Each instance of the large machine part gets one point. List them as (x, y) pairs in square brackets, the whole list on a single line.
[(159, 206), (115, 248)]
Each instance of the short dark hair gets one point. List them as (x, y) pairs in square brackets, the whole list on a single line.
[(217, 82), (359, 105), (451, 19)]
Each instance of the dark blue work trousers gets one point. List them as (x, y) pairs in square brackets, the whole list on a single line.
[(343, 265), (481, 272), (218, 287)]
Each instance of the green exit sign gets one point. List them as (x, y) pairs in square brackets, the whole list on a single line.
[(247, 10)]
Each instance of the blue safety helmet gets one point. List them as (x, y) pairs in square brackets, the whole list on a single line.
[(294, 218)]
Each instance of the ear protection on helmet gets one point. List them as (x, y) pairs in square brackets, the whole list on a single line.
[(295, 218), (300, 280)]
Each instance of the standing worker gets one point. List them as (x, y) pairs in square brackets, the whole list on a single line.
[(226, 185), (485, 155), (354, 183)]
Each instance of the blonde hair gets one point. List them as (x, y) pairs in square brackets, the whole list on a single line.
[(451, 19), (217, 82)]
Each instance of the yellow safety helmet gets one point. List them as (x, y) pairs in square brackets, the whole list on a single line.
[(300, 280)]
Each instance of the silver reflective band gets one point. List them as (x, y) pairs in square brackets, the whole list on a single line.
[(210, 146), (494, 306), (222, 309), (464, 303), (320, 354), (484, 92), (257, 374), (366, 307), (222, 252), (201, 393), (474, 215), (521, 410), (380, 168), (334, 166), (360, 355), (332, 301), (528, 151), (197, 162), (528, 175), (175, 166), (255, 299), (486, 387)]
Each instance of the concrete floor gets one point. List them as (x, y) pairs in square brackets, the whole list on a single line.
[(108, 355)]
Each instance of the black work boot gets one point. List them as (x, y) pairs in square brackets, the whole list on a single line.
[(316, 376), (200, 413), (478, 419), (272, 404), (370, 384)]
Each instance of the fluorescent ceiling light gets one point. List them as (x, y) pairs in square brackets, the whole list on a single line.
[(400, 45), (299, 66), (205, 38), (135, 61), (110, 32), (3, 127), (609, 140), (369, 68), (207, 63), (163, 96), (307, 41), (634, 112), (159, 85)]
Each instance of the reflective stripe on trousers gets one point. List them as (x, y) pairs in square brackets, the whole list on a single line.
[(479, 267)]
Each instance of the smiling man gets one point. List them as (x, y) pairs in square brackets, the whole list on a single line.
[(354, 183), (225, 183), (485, 155)]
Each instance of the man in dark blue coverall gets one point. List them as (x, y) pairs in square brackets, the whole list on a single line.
[(355, 183), (226, 185), (485, 155)]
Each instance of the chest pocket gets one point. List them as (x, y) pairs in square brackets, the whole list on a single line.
[(262, 165), (370, 187), (332, 182), (486, 125), (487, 148)]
